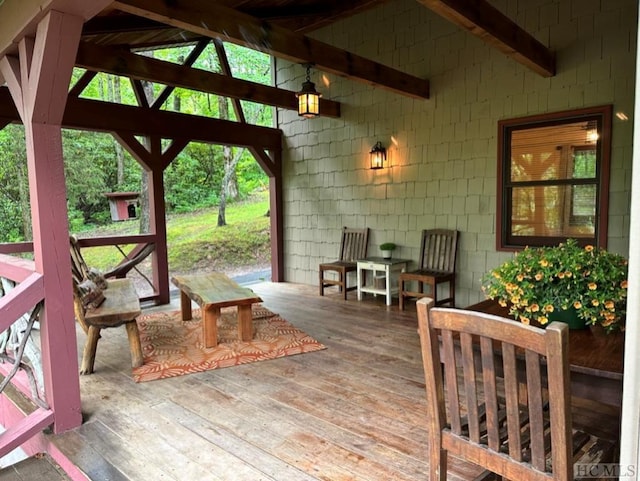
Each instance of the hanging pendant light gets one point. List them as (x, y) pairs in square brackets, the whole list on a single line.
[(308, 98)]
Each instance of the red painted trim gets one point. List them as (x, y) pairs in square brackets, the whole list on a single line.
[(16, 248), (21, 299), (15, 268), (117, 239), (24, 430)]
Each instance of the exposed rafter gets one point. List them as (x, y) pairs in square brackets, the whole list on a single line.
[(488, 23), (109, 117), (213, 20), (18, 18), (121, 62)]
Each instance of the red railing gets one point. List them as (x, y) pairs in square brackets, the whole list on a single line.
[(27, 294)]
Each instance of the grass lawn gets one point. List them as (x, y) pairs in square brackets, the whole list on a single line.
[(196, 243)]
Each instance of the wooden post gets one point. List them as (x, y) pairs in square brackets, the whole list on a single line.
[(273, 168), (38, 81)]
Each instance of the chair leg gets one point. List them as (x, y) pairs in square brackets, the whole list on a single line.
[(321, 274), (343, 284), (89, 352), (134, 343), (401, 295), (452, 293)]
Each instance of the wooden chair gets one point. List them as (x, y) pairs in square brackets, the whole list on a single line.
[(353, 246), (489, 402), (438, 251), (100, 303), (120, 306)]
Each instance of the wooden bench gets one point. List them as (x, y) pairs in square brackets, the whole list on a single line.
[(212, 292), (121, 306)]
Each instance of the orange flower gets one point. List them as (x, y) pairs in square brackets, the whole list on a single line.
[(568, 274), (539, 276), (588, 248), (577, 305), (595, 302), (560, 275), (502, 302), (544, 262), (609, 305), (548, 308), (543, 320), (535, 307), (524, 320), (623, 284), (592, 286)]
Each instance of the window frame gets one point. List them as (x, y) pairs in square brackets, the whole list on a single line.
[(505, 241)]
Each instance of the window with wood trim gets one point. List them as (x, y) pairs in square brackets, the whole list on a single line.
[(553, 178)]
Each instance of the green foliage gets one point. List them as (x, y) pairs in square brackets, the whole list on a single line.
[(251, 177), (193, 180), (13, 184), (538, 281)]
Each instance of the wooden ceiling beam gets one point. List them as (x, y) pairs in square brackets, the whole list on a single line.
[(98, 116), (210, 19), (122, 62), (20, 18), (492, 26)]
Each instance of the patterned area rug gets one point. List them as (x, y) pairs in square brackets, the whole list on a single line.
[(173, 347)]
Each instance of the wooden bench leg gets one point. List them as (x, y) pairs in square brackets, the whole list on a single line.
[(210, 326), (185, 306), (245, 323), (89, 353), (134, 343)]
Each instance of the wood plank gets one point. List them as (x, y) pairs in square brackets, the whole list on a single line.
[(352, 411), (40, 467), (121, 304), (214, 20), (214, 289), (99, 116)]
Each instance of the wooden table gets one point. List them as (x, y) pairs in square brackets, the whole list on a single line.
[(212, 292), (388, 267), (596, 359)]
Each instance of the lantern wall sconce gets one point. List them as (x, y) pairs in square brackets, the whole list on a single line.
[(378, 156), (308, 98)]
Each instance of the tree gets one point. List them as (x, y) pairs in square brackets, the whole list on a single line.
[(15, 211)]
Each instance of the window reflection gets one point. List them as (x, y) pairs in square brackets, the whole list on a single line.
[(551, 181)]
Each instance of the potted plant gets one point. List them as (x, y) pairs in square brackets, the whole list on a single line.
[(538, 284), (387, 248)]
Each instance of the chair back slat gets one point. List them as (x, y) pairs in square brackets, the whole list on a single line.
[(353, 245), (438, 250), (470, 388), (451, 380), (484, 415), (536, 415), (512, 400), (490, 393)]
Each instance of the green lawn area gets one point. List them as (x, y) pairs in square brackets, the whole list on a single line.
[(195, 242)]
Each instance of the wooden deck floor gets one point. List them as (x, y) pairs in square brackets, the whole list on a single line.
[(350, 412)]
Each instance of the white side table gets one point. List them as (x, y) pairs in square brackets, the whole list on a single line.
[(378, 266)]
